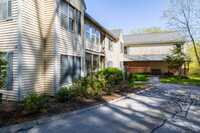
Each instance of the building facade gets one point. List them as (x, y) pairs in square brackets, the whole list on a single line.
[(145, 53)]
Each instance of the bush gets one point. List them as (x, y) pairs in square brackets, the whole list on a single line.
[(132, 84), (112, 75), (169, 74), (130, 77), (145, 73), (63, 94), (140, 77), (36, 103)]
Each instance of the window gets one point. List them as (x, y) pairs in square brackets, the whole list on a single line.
[(78, 22), (97, 37), (95, 62), (109, 64), (64, 14), (121, 47), (70, 69), (87, 27), (110, 45), (5, 9), (9, 79), (71, 18), (180, 47), (126, 50), (92, 34), (88, 62)]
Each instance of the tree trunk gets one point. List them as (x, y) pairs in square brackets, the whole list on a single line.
[(194, 44)]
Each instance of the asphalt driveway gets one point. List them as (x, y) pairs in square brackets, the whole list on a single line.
[(167, 108)]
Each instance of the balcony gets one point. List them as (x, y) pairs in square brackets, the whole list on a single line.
[(89, 45)]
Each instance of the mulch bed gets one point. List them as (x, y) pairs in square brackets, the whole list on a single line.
[(10, 116)]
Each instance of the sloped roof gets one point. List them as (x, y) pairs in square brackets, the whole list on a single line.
[(152, 57), (165, 37), (116, 32)]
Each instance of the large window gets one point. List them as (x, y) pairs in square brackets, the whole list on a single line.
[(180, 47), (5, 9), (78, 22), (92, 34), (70, 69), (70, 17)]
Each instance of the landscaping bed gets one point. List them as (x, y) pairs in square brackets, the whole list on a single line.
[(11, 116)]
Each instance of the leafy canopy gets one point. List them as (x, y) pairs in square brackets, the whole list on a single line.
[(145, 30)]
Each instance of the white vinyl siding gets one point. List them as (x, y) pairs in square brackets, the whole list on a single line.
[(6, 9), (109, 64)]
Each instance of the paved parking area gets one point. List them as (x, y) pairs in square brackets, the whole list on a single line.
[(167, 108)]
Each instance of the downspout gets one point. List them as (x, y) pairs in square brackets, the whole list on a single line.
[(20, 50), (55, 47)]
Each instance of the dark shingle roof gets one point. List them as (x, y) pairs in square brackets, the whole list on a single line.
[(116, 32), (153, 57), (154, 38)]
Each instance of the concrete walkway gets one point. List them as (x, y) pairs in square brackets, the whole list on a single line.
[(167, 108), (154, 80)]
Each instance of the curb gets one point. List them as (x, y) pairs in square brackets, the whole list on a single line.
[(31, 124)]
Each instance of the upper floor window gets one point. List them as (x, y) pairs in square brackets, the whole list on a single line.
[(126, 50), (87, 27), (110, 45), (78, 22), (92, 34), (121, 47), (5, 9), (180, 47), (64, 14), (71, 18)]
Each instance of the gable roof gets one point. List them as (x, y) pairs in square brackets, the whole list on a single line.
[(87, 16), (116, 32), (165, 37)]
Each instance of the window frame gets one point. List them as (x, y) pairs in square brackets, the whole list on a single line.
[(110, 44), (92, 34), (72, 19), (7, 11), (73, 71), (78, 22)]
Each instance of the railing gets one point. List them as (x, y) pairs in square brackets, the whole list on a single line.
[(93, 46)]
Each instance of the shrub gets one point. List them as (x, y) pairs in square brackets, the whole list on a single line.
[(130, 77), (36, 103), (132, 84), (63, 94), (112, 75), (140, 77), (145, 73), (169, 74)]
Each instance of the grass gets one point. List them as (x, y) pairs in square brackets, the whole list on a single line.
[(193, 80)]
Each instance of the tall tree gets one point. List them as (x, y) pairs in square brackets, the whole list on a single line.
[(183, 15), (144, 30)]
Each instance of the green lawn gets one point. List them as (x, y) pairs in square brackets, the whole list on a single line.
[(193, 80)]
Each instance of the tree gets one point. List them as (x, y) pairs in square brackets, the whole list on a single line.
[(183, 15), (3, 70), (176, 60), (144, 30)]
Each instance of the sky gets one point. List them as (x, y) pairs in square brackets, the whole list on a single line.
[(128, 14)]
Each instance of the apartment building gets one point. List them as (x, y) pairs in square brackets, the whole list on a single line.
[(147, 52)]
